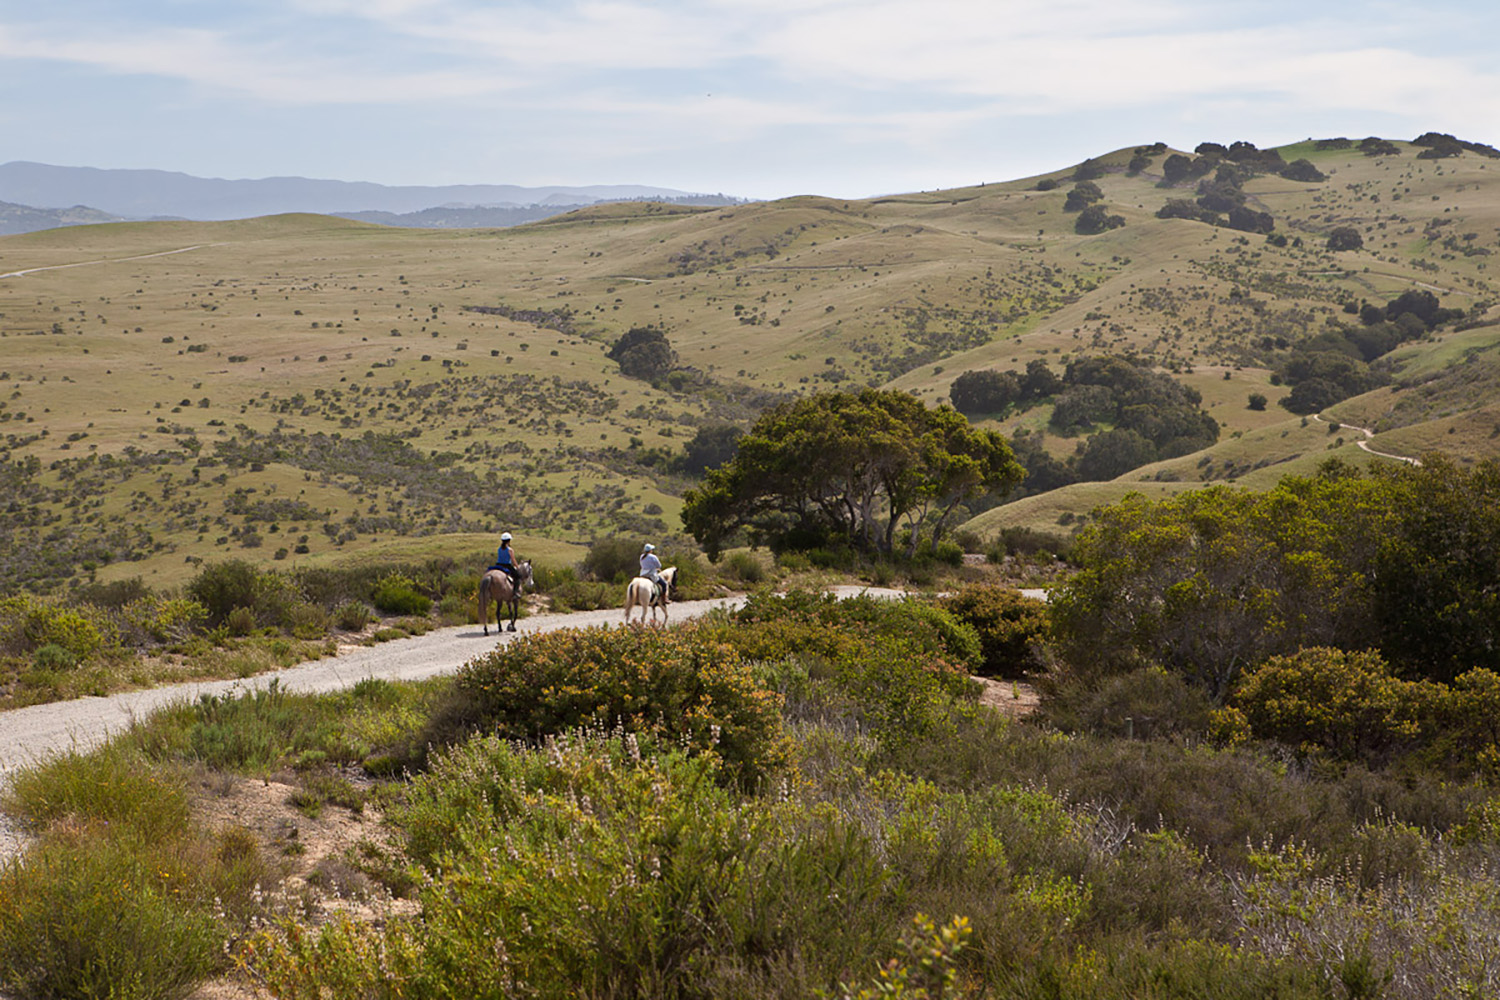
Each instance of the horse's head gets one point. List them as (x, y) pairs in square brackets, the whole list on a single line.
[(670, 575), (523, 571)]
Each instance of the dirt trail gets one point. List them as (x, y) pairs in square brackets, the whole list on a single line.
[(1364, 442), (108, 260)]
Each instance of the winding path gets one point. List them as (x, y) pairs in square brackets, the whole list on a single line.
[(1364, 442)]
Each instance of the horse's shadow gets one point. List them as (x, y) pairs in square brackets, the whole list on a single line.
[(489, 635)]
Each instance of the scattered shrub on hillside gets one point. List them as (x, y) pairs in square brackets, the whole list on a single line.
[(1345, 238), (1096, 219), (680, 685), (1011, 628)]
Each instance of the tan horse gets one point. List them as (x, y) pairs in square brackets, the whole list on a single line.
[(641, 593), (496, 586)]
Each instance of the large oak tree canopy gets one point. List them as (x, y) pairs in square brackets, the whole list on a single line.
[(851, 465)]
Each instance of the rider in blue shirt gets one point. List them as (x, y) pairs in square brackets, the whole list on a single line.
[(505, 561)]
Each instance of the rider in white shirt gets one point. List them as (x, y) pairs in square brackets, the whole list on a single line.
[(651, 568)]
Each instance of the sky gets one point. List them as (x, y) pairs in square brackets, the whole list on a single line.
[(755, 98)]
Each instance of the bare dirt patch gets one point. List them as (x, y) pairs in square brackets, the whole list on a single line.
[(1015, 699), (316, 854)]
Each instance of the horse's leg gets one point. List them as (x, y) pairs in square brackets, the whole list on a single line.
[(515, 610), (484, 600)]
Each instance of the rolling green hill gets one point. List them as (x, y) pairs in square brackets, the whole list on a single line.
[(310, 388)]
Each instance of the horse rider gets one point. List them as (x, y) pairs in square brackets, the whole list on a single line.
[(651, 570), (505, 561)]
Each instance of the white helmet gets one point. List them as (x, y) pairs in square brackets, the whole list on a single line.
[(505, 536), (650, 547)]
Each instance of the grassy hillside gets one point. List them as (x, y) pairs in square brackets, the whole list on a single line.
[(315, 388)]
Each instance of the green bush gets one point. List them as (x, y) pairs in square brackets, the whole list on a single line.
[(1347, 704), (98, 916), (681, 685), (351, 616), (600, 869), (152, 620), (1017, 541), (1010, 626), (115, 594), (113, 785), (585, 595), (458, 609), (897, 668), (396, 594), (744, 567), (54, 657), (120, 895), (240, 621), (306, 620), (949, 553), (935, 633), (29, 623), (613, 560), (223, 587)]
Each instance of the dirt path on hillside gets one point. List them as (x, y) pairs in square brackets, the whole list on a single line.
[(1364, 442), (109, 260)]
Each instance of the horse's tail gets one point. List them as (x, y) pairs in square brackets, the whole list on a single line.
[(484, 599)]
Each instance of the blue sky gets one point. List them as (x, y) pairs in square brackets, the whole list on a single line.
[(760, 98)]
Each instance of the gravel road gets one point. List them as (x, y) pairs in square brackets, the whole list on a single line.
[(33, 733), (27, 734)]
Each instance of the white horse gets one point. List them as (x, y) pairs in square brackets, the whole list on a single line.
[(642, 593)]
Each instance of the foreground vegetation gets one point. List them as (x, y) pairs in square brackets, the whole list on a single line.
[(769, 802)]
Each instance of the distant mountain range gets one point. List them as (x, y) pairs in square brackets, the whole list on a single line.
[(25, 219), (148, 194)]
